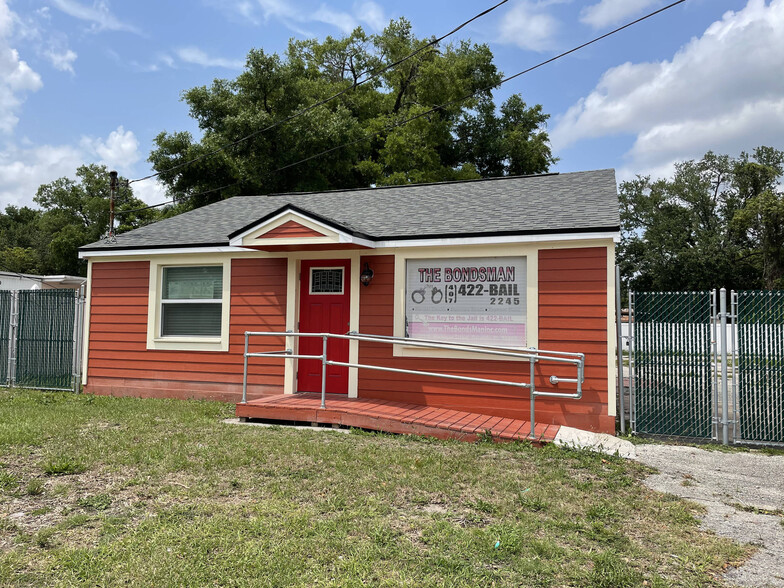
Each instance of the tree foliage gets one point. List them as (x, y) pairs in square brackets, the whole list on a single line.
[(464, 139), (718, 222), (72, 213)]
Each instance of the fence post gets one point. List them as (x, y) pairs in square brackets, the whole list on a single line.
[(632, 367), (12, 338), (733, 327), (77, 338), (725, 426), (619, 337)]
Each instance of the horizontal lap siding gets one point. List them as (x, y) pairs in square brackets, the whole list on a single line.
[(290, 230), (585, 304), (573, 317), (119, 361)]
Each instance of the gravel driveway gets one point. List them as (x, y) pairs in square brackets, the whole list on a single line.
[(737, 489)]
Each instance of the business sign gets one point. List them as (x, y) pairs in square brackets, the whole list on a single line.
[(474, 300)]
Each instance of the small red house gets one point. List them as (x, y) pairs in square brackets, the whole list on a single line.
[(515, 262)]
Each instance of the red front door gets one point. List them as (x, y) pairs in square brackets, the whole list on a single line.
[(324, 308)]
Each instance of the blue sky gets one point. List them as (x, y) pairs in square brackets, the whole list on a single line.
[(94, 81)]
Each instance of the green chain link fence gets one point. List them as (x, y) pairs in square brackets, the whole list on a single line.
[(5, 327), (45, 339), (760, 377), (672, 376)]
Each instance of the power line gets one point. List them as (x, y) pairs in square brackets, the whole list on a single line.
[(480, 90), (299, 113), (119, 212)]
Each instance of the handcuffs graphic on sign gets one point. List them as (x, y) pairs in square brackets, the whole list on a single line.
[(436, 295)]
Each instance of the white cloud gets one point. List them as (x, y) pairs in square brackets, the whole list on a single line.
[(341, 20), (198, 57), (120, 150), (24, 169), (151, 192), (6, 19), (371, 14), (529, 27), (16, 77), (296, 17), (721, 91), (98, 15), (655, 151), (61, 60), (610, 12)]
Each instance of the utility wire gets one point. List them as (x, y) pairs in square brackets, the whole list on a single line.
[(119, 212), (480, 90), (299, 113)]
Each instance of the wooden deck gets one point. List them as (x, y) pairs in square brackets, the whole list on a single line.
[(392, 417)]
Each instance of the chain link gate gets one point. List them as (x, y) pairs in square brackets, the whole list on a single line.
[(759, 375), (672, 383), (40, 339), (699, 371)]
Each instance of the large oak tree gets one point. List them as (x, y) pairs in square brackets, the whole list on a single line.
[(464, 139)]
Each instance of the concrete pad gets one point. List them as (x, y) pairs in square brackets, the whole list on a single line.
[(598, 442)]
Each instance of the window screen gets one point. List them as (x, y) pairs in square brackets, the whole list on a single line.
[(326, 280), (191, 301)]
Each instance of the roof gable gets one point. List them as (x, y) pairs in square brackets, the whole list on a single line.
[(291, 227)]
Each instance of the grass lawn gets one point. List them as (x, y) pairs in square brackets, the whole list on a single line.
[(105, 491)]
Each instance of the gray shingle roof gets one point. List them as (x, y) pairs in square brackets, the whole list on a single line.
[(570, 202)]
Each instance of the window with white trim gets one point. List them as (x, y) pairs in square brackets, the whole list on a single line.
[(191, 301)]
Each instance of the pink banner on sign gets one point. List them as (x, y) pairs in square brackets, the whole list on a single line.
[(505, 335)]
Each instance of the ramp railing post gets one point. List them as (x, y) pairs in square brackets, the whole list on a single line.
[(532, 362), (245, 373), (725, 427), (324, 372)]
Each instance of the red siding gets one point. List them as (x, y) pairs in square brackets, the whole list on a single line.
[(118, 359), (290, 230), (573, 317), (573, 307)]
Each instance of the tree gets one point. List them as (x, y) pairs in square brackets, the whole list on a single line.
[(716, 223), (463, 139), (21, 240), (73, 213), (761, 219)]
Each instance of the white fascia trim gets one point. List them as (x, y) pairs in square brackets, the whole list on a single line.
[(343, 237), (168, 251), (489, 240)]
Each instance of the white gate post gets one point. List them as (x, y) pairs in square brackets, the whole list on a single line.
[(725, 427), (619, 343), (12, 337)]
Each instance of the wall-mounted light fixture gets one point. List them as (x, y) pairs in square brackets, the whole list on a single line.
[(366, 276)]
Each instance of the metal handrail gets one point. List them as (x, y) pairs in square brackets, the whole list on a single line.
[(532, 355)]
